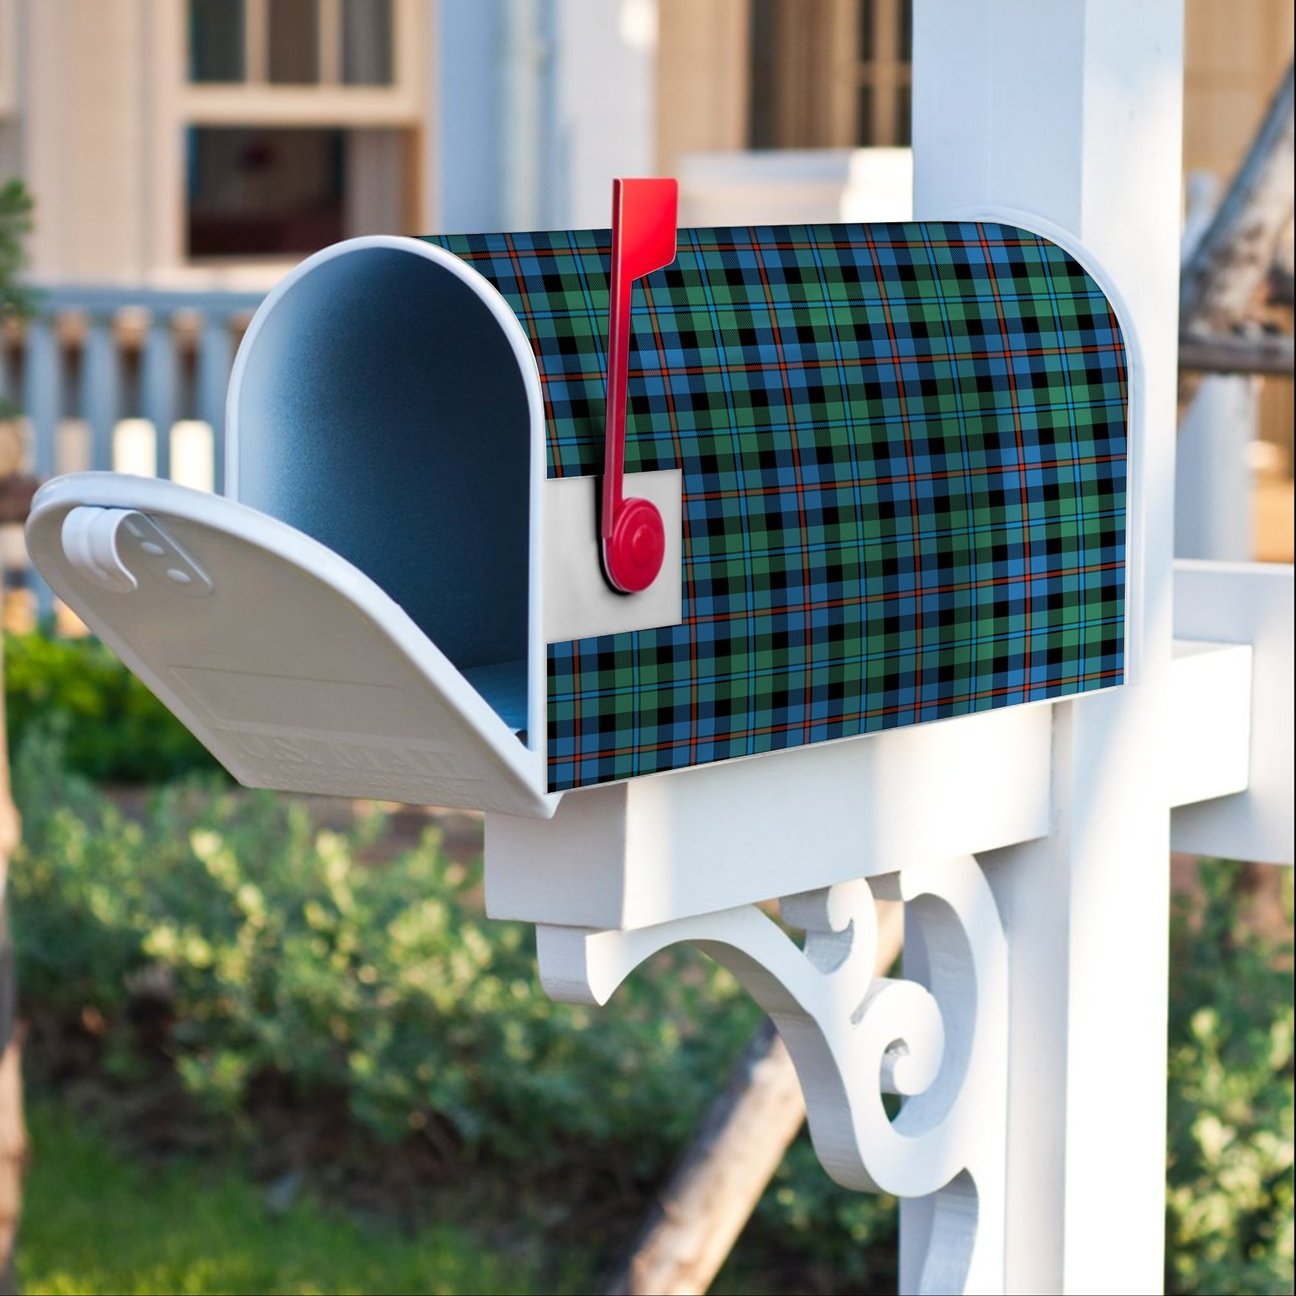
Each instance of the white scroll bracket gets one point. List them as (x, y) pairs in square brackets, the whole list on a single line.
[(936, 1037)]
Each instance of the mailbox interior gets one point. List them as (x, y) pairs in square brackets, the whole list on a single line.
[(386, 403)]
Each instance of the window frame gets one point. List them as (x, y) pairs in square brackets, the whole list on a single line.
[(180, 104), (886, 73), (255, 100), (816, 96)]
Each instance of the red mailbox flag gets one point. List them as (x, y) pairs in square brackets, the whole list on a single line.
[(643, 240)]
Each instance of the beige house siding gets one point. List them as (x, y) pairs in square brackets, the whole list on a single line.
[(702, 84), (83, 114), (93, 101), (1233, 57)]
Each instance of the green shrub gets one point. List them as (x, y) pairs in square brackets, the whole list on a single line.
[(283, 954), (1229, 1200), (847, 1240), (113, 728)]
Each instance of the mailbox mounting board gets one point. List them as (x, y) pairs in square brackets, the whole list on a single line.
[(904, 453)]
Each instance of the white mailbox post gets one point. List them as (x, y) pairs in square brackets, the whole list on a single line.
[(1032, 1156), (313, 635)]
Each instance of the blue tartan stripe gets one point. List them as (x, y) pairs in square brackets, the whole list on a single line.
[(904, 457)]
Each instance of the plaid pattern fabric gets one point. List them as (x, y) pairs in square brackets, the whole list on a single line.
[(903, 450)]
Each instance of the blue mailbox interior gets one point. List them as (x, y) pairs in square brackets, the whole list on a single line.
[(382, 411)]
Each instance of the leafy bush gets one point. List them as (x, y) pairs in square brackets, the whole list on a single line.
[(283, 954), (113, 728), (1230, 1198), (846, 1240), (16, 299)]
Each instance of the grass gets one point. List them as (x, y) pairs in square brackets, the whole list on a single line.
[(95, 1221)]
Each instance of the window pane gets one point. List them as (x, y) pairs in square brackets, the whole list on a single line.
[(294, 42), (903, 115), (866, 21), (216, 40), (267, 192), (864, 116), (762, 128), (367, 42)]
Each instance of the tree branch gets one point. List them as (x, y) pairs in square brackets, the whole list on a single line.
[(1225, 275), (701, 1210)]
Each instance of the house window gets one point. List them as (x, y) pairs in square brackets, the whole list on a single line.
[(298, 124), (216, 46), (366, 42), (830, 73), (264, 192), (293, 48), (291, 42), (256, 192), (884, 71)]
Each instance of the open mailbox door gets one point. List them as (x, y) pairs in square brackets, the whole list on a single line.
[(366, 619), (288, 663)]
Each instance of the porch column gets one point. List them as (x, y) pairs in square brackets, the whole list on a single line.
[(1068, 115)]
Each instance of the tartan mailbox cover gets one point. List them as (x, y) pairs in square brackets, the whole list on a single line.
[(896, 456), (903, 450)]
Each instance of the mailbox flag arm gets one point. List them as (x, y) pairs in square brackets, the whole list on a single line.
[(644, 214)]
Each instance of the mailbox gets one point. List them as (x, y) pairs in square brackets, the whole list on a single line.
[(887, 465)]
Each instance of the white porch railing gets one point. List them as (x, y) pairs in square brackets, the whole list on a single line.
[(131, 380)]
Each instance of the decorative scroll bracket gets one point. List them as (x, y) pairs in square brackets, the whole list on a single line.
[(937, 1037)]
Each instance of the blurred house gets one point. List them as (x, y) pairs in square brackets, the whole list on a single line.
[(213, 141), (203, 146)]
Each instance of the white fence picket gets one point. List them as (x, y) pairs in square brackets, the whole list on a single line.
[(102, 376)]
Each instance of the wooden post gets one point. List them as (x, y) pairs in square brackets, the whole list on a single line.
[(700, 1211), (1071, 114), (1250, 353)]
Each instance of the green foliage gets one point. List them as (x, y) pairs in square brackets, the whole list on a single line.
[(283, 954), (15, 224), (112, 727), (94, 1221), (1230, 1197)]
